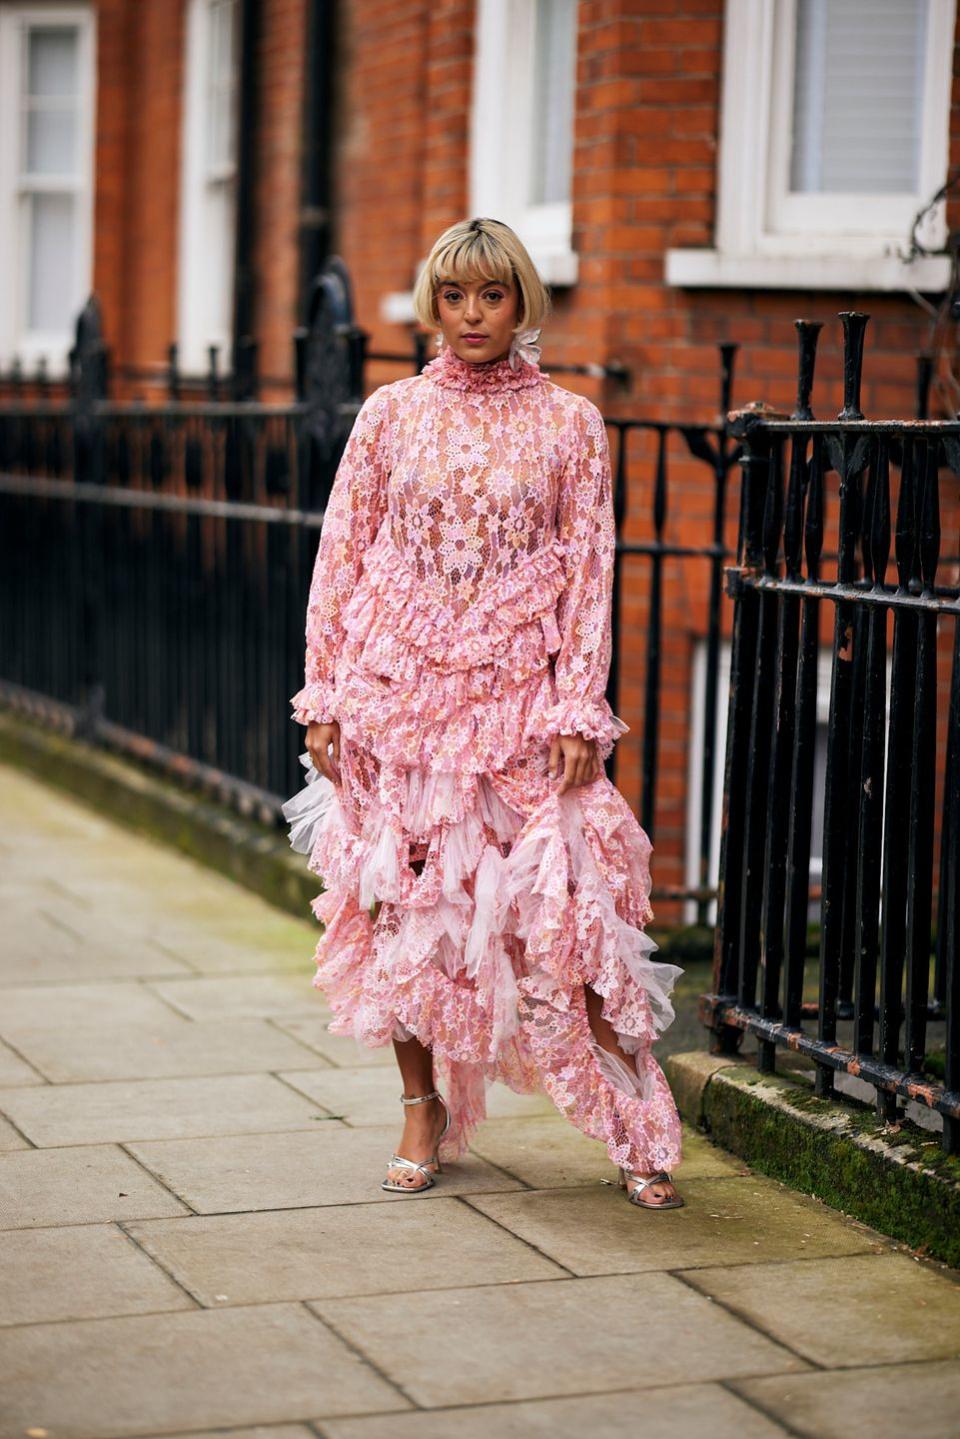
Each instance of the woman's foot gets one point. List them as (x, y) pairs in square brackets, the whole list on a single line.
[(421, 1133), (650, 1189)]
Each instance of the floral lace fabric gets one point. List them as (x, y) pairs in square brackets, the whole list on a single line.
[(459, 617)]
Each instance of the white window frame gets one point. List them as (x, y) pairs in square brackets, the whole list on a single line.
[(500, 147), (501, 138), (17, 341), (841, 243), (195, 255)]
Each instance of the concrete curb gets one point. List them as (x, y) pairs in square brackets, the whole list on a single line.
[(894, 1178), (253, 854)]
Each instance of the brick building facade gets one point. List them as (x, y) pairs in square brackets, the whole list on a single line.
[(683, 173)]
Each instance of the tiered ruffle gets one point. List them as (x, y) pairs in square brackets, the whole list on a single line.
[(525, 896), (423, 687)]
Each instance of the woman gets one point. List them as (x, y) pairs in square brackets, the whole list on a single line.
[(486, 885)]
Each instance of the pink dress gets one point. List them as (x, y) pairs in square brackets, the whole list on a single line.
[(459, 617)]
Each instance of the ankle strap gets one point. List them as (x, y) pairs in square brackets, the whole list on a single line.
[(421, 1098)]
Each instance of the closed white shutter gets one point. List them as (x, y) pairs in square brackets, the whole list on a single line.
[(858, 96)]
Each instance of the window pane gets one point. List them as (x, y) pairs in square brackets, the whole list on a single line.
[(222, 86), (222, 22), (50, 251), (858, 96), (52, 62), (555, 58), (220, 238), (51, 142)]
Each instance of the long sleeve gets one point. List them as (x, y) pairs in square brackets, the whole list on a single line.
[(587, 528), (357, 503)]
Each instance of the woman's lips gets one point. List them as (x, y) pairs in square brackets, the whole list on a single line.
[(475, 339)]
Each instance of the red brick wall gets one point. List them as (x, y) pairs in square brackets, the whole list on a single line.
[(138, 150), (646, 127), (140, 55)]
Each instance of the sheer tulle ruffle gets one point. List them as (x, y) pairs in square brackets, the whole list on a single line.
[(524, 897)]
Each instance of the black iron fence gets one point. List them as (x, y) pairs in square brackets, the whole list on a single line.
[(889, 908), (155, 559)]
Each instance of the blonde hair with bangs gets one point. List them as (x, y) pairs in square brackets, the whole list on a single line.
[(481, 249)]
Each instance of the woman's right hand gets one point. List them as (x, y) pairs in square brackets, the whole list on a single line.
[(319, 739)]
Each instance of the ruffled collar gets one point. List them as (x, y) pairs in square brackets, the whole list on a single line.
[(481, 376)]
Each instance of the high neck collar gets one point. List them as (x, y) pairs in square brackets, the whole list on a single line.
[(481, 376)]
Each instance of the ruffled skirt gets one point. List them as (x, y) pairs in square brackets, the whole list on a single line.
[(524, 897)]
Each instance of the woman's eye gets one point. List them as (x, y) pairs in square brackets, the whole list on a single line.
[(452, 296)]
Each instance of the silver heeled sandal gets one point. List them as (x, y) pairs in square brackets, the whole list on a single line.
[(660, 1177), (397, 1161)]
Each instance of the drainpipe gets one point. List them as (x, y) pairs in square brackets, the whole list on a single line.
[(317, 142)]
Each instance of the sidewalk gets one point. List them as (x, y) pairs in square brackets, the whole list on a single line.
[(192, 1237)]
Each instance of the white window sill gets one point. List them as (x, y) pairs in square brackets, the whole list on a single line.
[(695, 268)]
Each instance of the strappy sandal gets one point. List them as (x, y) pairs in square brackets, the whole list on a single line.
[(397, 1161), (634, 1194)]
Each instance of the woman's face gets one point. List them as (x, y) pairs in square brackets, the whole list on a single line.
[(487, 308)]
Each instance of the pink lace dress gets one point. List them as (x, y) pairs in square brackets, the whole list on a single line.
[(459, 617)]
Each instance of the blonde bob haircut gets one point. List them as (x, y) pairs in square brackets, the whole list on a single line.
[(481, 249)]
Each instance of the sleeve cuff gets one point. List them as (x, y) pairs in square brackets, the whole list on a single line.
[(593, 719), (312, 705)]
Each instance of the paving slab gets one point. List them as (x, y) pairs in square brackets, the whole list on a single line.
[(87, 1184), (80, 1271), (174, 1048), (209, 937), (57, 1006), (884, 1401), (370, 1095), (545, 1339), (850, 1310), (334, 1165), (190, 937), (259, 1431), (14, 1068), (597, 1231), (550, 1153), (338, 1049), (257, 996), (11, 1138), (693, 1411), (335, 1251), (201, 1370), (76, 958), (115, 1110)]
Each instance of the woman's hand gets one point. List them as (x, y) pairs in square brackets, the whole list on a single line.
[(319, 739), (581, 760)]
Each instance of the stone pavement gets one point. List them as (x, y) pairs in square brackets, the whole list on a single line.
[(192, 1238)]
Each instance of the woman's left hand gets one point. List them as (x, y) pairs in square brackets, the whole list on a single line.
[(580, 760)]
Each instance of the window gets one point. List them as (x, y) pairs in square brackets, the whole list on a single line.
[(521, 133), (208, 184), (834, 134), (521, 140), (46, 179)]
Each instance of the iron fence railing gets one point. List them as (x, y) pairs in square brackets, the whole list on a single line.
[(887, 968), (155, 559)]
